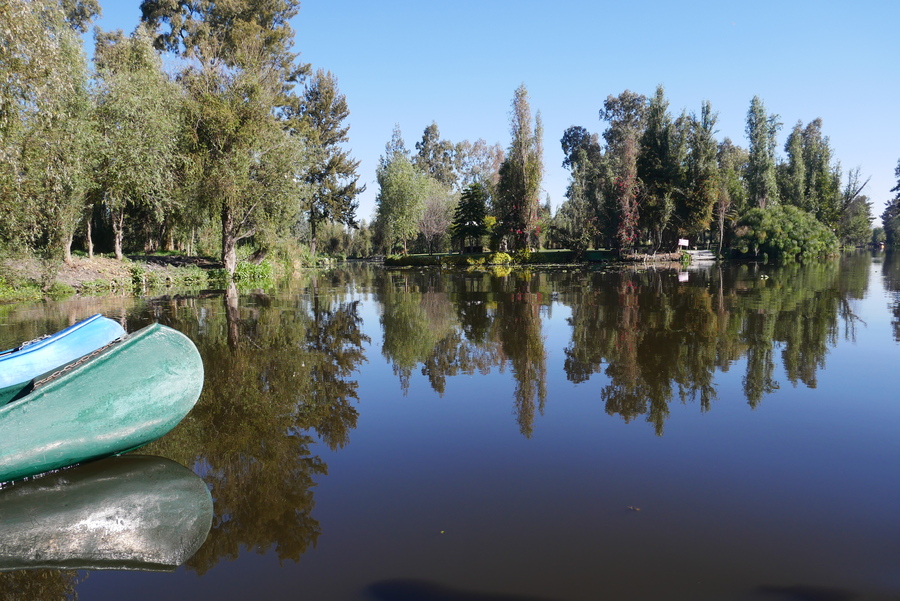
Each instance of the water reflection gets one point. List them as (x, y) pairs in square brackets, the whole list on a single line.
[(891, 276), (653, 337), (282, 367), (461, 323), (134, 512), (277, 375)]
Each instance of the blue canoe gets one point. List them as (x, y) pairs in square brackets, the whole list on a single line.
[(20, 365)]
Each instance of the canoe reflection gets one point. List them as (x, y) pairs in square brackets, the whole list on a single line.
[(130, 513)]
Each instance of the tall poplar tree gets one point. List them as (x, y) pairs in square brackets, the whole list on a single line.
[(584, 214), (792, 181), (521, 173), (761, 131), (332, 177)]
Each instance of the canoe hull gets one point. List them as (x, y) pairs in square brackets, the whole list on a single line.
[(130, 394), (133, 512), (18, 366)]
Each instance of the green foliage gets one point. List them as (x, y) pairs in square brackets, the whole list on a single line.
[(809, 179), (500, 258), (659, 166), (413, 260), (783, 234), (17, 292), (251, 272), (468, 219), (761, 130), (702, 174), (146, 279), (58, 291), (332, 175), (437, 158), (401, 198), (890, 218), (522, 256), (521, 173), (137, 129)]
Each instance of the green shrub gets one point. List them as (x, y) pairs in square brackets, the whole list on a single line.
[(499, 258), (95, 287), (138, 277), (782, 234), (58, 291), (15, 292)]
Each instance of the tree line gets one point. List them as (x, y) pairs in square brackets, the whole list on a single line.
[(203, 132), (647, 181), (200, 131)]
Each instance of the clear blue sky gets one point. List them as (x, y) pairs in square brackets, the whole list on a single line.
[(458, 63)]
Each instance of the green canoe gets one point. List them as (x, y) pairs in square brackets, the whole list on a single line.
[(129, 513), (130, 394)]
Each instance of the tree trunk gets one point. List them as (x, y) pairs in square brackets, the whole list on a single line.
[(229, 242), (67, 247), (258, 256), (232, 315), (90, 240), (312, 237), (118, 222)]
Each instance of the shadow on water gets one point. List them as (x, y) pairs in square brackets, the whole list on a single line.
[(423, 590), (807, 593)]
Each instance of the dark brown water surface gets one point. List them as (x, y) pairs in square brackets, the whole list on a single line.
[(555, 435)]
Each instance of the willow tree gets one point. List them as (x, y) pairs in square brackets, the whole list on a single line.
[(401, 198), (44, 122), (521, 173), (137, 119), (248, 167)]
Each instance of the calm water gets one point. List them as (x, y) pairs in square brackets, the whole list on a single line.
[(377, 435)]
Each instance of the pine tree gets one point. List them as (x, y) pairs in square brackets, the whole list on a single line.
[(468, 219), (332, 177)]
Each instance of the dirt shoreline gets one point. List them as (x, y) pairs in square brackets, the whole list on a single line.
[(81, 271)]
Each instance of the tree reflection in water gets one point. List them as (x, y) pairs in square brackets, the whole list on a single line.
[(653, 338), (891, 275), (280, 368), (467, 322), (278, 373)]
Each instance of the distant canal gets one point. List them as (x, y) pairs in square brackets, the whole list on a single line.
[(535, 435)]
